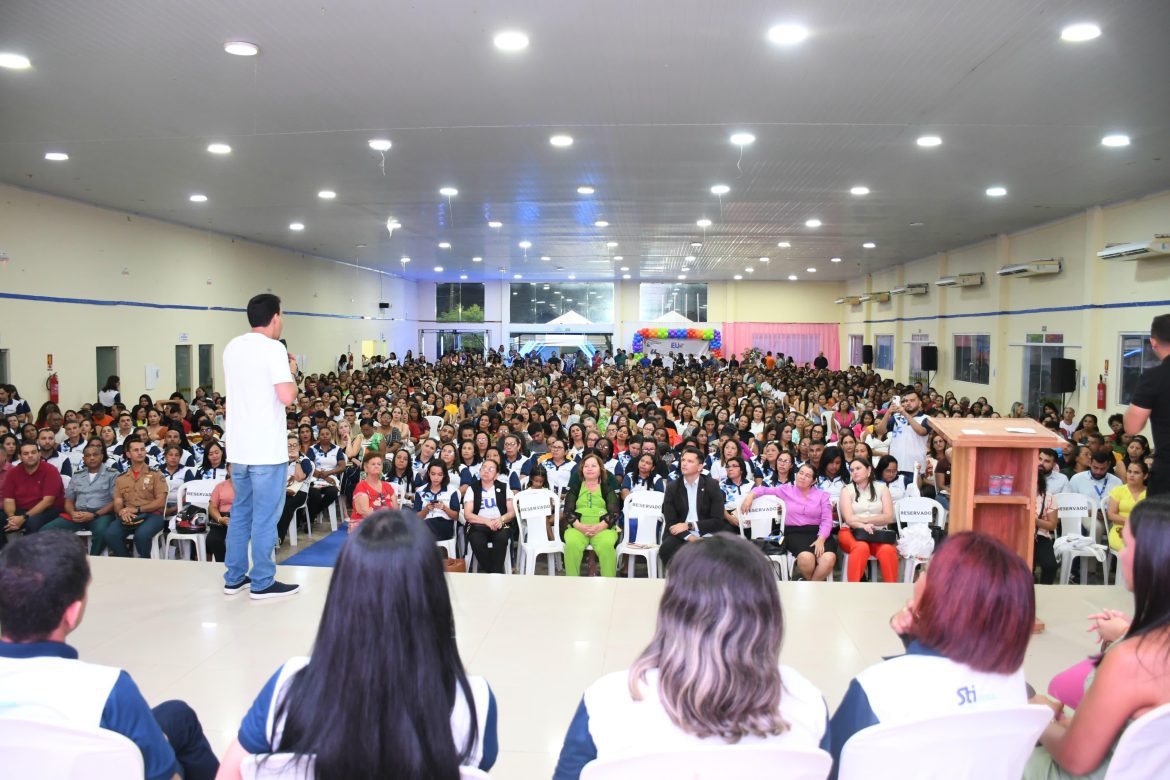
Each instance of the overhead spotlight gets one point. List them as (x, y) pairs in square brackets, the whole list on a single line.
[(624, 268), (525, 245), (742, 139), (56, 156), (859, 190), (391, 225), (834, 259), (495, 224), (561, 140), (241, 48), (438, 269), (720, 189), (996, 192), (219, 148), (868, 245), (585, 190), (601, 223), (1117, 139), (326, 194), (197, 198), (611, 244), (703, 223), (1080, 32), (737, 277), (444, 245), (511, 41), (813, 223), (477, 259), (929, 140), (749, 270), (689, 258), (517, 276), (449, 192), (14, 61), (792, 277), (785, 245), (572, 276), (404, 259), (682, 276), (810, 270), (696, 244), (545, 258), (462, 276), (380, 144), (787, 34), (618, 257), (626, 276), (297, 226)]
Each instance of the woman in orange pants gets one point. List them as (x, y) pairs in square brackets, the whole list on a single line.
[(867, 512)]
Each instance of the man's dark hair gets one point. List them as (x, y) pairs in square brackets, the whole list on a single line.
[(691, 451), (1160, 328), (40, 576), (262, 308), (1103, 457), (1049, 452)]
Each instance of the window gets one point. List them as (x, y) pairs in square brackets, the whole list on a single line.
[(855, 340), (1137, 355), (107, 365), (459, 302), (973, 358), (686, 298), (884, 359), (917, 342), (578, 303)]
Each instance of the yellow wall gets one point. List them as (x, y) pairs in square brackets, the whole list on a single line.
[(61, 248), (1117, 286)]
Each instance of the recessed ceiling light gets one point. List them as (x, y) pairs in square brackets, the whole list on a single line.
[(787, 34), (685, 269), (56, 156), (682, 276), (525, 245), (360, 246), (1080, 32), (611, 244), (511, 40), (241, 48), (298, 226), (868, 245), (618, 257), (438, 269), (517, 276), (834, 259), (625, 276), (749, 270), (585, 190), (696, 244), (703, 223), (495, 224), (720, 189), (624, 268), (449, 192), (810, 270), (545, 258), (404, 259), (14, 61), (1117, 139), (218, 148), (737, 277), (812, 223), (765, 259), (929, 140), (601, 223), (477, 259), (792, 277), (326, 194), (462, 276), (571, 276), (996, 192), (380, 144), (444, 245), (785, 244), (742, 139), (198, 198), (859, 190), (917, 224), (561, 140)]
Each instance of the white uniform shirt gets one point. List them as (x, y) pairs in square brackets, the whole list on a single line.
[(256, 427)]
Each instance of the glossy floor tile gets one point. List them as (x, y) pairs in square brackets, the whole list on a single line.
[(538, 640)]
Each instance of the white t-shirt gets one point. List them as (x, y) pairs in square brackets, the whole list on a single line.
[(907, 446), (253, 365)]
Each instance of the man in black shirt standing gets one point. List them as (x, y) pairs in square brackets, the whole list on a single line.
[(820, 362), (1151, 401)]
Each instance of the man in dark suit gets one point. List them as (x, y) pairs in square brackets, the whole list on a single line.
[(695, 497)]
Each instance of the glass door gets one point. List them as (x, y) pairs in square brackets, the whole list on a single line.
[(1039, 351), (183, 370)]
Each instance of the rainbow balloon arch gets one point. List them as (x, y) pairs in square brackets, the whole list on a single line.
[(711, 335)]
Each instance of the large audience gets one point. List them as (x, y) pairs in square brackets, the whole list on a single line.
[(411, 452)]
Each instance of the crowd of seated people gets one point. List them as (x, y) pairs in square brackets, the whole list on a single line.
[(755, 423)]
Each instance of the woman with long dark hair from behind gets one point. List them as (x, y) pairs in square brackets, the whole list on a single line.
[(1133, 675), (385, 693), (685, 690)]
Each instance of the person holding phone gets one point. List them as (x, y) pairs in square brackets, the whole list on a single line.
[(437, 501)]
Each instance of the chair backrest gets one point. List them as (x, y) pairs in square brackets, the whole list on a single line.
[(716, 762), (533, 507), (646, 507), (436, 423), (37, 749), (65, 480), (1073, 509), (1144, 750), (827, 421), (759, 521), (979, 743), (916, 509), (197, 492)]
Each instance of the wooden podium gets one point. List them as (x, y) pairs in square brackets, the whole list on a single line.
[(981, 448)]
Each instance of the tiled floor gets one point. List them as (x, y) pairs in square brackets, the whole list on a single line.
[(538, 640)]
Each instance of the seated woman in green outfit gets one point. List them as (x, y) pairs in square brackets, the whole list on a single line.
[(590, 515), (1133, 676)]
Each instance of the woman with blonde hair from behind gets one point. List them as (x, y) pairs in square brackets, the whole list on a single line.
[(710, 675)]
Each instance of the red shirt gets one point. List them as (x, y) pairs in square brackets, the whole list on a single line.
[(27, 490), (377, 500)]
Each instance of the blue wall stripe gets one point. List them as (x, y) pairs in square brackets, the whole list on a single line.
[(179, 306), (1049, 310)]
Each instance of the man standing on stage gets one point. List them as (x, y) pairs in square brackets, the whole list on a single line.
[(1151, 401), (259, 374)]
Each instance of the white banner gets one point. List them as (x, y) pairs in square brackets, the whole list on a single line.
[(685, 346)]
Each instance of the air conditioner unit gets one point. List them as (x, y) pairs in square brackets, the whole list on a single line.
[(911, 289), (880, 297), (849, 300), (962, 280), (1159, 247), (1032, 268)]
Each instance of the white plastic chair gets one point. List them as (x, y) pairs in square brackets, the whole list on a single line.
[(827, 421), (198, 493), (646, 507), (66, 752), (715, 762), (917, 510), (1143, 750), (971, 745), (435, 422), (533, 508), (1075, 510), (758, 523)]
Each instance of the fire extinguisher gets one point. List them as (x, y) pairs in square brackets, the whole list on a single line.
[(54, 388), (1100, 392)]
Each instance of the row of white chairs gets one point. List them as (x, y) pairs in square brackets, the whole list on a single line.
[(953, 746)]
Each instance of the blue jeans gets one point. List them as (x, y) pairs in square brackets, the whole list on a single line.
[(114, 535), (255, 510)]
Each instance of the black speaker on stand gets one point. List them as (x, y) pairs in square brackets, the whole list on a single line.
[(1064, 377), (928, 359), (867, 354)]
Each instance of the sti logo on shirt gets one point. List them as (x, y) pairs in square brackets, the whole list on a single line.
[(966, 695)]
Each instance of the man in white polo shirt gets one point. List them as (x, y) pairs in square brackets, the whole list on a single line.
[(909, 429), (259, 374)]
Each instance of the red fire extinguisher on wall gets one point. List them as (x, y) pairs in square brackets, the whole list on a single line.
[(1100, 392), (52, 384)]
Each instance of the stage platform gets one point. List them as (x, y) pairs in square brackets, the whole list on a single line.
[(538, 640)]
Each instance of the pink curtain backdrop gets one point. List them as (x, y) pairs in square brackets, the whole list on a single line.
[(800, 340)]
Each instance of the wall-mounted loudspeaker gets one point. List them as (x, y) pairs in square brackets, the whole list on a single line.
[(383, 305), (929, 357), (1064, 375), (867, 354)]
